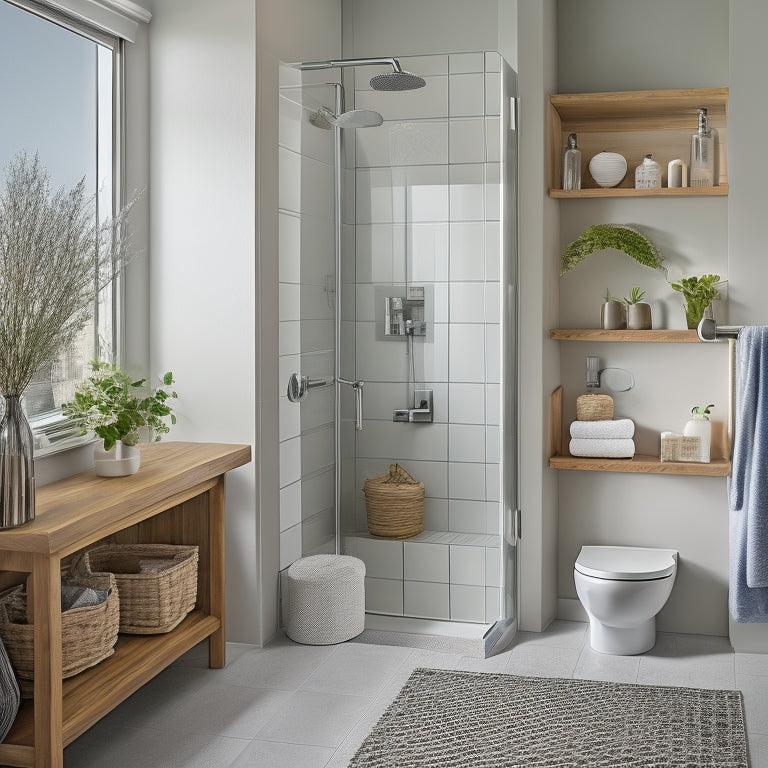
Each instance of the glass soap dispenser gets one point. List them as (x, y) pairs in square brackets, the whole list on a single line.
[(702, 171), (572, 164), (648, 174)]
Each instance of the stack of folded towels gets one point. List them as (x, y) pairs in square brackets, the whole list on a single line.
[(608, 439)]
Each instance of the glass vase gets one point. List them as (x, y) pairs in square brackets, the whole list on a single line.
[(17, 469)]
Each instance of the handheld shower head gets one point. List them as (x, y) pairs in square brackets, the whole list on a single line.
[(356, 118)]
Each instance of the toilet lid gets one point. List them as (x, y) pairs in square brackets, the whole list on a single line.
[(626, 563)]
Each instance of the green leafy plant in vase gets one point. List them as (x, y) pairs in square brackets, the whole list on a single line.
[(700, 426), (612, 314), (699, 293), (638, 311), (119, 409)]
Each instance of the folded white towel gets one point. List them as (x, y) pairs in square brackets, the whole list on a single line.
[(604, 428), (608, 448)]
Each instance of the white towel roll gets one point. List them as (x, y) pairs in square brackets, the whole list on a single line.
[(608, 448), (607, 428)]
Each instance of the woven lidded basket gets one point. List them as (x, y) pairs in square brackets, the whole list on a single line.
[(594, 407), (88, 634), (157, 583), (394, 504)]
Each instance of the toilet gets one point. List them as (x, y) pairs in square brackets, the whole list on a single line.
[(622, 589)]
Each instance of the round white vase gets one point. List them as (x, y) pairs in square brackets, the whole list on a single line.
[(120, 461), (608, 168)]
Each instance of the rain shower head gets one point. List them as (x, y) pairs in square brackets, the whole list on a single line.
[(397, 80), (356, 118)]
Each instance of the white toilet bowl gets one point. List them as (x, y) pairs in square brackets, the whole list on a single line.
[(622, 589)]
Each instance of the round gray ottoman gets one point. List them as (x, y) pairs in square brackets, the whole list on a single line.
[(325, 599)]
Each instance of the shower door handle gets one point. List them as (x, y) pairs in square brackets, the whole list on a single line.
[(299, 386), (357, 388)]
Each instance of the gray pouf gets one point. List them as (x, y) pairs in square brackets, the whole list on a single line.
[(325, 599)]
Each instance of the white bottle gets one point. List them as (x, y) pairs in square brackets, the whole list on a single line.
[(648, 174), (700, 426), (572, 164), (702, 172)]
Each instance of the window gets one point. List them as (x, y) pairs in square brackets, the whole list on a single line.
[(59, 87)]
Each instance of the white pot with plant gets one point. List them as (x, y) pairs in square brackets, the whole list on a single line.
[(699, 293), (118, 410), (700, 426), (638, 311)]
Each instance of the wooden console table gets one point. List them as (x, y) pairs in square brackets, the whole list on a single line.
[(177, 497)]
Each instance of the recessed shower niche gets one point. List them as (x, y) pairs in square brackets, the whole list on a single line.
[(413, 216)]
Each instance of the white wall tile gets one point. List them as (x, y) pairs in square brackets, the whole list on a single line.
[(441, 303), (435, 514), (466, 442), (492, 302), (467, 192), (492, 192), (290, 247), (289, 189), (317, 249), (381, 253), (384, 596), (425, 562), (466, 95), (467, 302), (424, 442), (492, 604), (465, 62), (493, 153), (492, 353), (467, 603), (467, 565), (383, 558), (290, 418), (466, 353), (286, 365), (426, 600), (493, 93), (431, 101), (317, 450), (492, 482), (492, 567), (493, 510), (290, 301), (493, 444), (426, 66), (290, 546), (492, 61), (290, 461), (317, 493), (493, 404), (317, 534), (290, 337), (427, 187), (374, 195), (467, 246), (428, 251), (466, 140), (290, 506), (466, 516), (492, 238), (412, 142), (466, 403)]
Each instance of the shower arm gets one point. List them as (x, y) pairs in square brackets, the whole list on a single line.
[(394, 63)]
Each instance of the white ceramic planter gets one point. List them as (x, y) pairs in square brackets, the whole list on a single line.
[(698, 426), (122, 460)]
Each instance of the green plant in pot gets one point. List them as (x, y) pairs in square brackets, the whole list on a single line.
[(638, 311), (612, 313), (604, 236), (118, 409), (699, 293)]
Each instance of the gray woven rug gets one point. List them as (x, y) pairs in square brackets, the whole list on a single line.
[(445, 719)]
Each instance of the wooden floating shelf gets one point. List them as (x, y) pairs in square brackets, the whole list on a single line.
[(566, 194), (644, 464), (597, 334)]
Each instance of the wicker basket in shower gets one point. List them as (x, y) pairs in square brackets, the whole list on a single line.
[(394, 504)]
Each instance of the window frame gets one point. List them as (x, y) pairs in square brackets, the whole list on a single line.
[(59, 432)]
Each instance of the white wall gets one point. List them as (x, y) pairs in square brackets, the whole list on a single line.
[(598, 50)]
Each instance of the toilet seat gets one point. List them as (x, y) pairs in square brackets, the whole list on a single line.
[(626, 563)]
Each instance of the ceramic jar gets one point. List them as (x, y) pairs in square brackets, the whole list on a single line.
[(700, 426), (612, 316)]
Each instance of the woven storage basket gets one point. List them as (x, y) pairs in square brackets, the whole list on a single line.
[(679, 448), (88, 634), (150, 602), (594, 407), (395, 504)]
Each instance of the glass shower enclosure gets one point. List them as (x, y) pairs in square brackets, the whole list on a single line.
[(398, 303)]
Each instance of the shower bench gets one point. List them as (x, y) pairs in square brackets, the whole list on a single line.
[(177, 497)]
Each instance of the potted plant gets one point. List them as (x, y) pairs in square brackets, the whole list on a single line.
[(699, 293), (700, 426), (618, 236), (117, 409), (638, 311), (612, 315)]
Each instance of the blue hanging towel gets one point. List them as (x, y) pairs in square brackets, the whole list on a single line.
[(748, 484)]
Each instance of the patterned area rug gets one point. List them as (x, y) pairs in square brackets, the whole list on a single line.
[(446, 719)]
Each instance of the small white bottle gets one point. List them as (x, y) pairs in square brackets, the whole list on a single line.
[(702, 171), (648, 174), (572, 164), (700, 426)]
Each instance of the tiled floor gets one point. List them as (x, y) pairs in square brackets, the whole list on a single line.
[(294, 706)]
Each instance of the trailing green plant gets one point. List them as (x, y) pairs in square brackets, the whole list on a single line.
[(55, 256), (702, 411), (603, 236), (635, 296), (114, 407), (699, 293)]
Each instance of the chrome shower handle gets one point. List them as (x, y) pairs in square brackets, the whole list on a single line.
[(357, 387), (299, 386)]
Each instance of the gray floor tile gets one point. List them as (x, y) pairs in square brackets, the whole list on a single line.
[(542, 660), (758, 751), (274, 754), (562, 634), (601, 666), (755, 691), (752, 664)]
